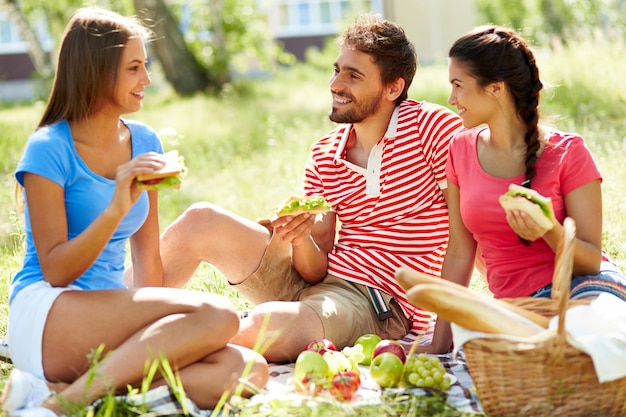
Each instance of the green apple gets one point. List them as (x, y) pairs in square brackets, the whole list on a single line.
[(311, 373), (386, 370), (369, 342), (389, 345)]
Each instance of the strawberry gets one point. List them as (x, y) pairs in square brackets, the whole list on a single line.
[(344, 385)]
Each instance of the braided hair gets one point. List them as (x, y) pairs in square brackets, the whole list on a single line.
[(498, 54)]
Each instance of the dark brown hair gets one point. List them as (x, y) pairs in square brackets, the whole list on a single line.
[(387, 44), (498, 54), (88, 62)]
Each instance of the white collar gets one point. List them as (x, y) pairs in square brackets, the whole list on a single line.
[(374, 161)]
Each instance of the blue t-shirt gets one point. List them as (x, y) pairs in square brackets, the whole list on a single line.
[(50, 153)]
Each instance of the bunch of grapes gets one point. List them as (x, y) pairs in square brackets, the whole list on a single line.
[(425, 371), (337, 361)]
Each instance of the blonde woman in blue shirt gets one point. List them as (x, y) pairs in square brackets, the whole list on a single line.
[(82, 205)]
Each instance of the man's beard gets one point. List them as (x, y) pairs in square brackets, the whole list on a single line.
[(358, 113)]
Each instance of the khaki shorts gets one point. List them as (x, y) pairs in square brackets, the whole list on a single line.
[(344, 308)]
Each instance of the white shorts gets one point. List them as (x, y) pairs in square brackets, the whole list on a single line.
[(27, 318)]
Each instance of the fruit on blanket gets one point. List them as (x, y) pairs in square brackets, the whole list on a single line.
[(338, 362), (321, 346), (425, 371), (386, 369), (345, 384), (311, 373), (354, 355), (392, 346), (369, 342)]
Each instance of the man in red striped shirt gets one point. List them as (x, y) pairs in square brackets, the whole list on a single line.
[(382, 170)]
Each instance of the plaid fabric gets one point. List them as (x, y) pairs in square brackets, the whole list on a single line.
[(162, 402), (461, 394)]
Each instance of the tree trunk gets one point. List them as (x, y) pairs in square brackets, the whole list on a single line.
[(554, 19), (40, 58), (219, 39), (185, 73)]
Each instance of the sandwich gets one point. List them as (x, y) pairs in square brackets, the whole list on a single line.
[(169, 176), (530, 202), (295, 205)]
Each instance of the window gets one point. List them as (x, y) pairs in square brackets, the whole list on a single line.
[(290, 18), (10, 40), (304, 15)]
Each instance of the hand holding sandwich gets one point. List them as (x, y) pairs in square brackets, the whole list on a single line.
[(294, 230), (529, 214), (126, 193), (296, 215), (311, 237), (169, 175)]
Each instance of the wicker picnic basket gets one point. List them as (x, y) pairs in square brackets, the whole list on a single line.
[(546, 378)]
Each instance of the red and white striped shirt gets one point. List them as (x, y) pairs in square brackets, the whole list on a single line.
[(392, 213)]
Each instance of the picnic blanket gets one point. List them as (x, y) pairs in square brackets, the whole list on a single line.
[(163, 402)]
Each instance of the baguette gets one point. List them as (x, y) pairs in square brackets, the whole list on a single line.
[(471, 311), (408, 278)]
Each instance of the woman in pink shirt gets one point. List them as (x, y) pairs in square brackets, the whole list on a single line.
[(496, 87)]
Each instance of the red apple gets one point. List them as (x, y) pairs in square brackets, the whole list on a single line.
[(392, 346), (310, 373), (345, 384), (369, 342), (386, 370), (321, 346)]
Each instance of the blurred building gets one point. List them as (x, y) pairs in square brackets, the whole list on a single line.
[(16, 67), (432, 25)]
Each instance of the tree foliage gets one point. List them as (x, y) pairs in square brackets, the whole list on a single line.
[(181, 68), (39, 56), (59, 12), (558, 20), (228, 36), (215, 38), (223, 38)]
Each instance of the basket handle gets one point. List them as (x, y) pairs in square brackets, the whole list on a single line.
[(563, 267)]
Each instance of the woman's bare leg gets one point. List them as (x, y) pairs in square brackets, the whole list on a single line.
[(231, 370), (135, 326)]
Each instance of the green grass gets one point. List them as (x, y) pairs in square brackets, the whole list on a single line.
[(245, 149)]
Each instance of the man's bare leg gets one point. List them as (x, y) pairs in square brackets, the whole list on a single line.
[(208, 233), (280, 329)]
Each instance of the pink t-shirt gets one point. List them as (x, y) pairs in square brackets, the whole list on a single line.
[(392, 213), (513, 269)]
